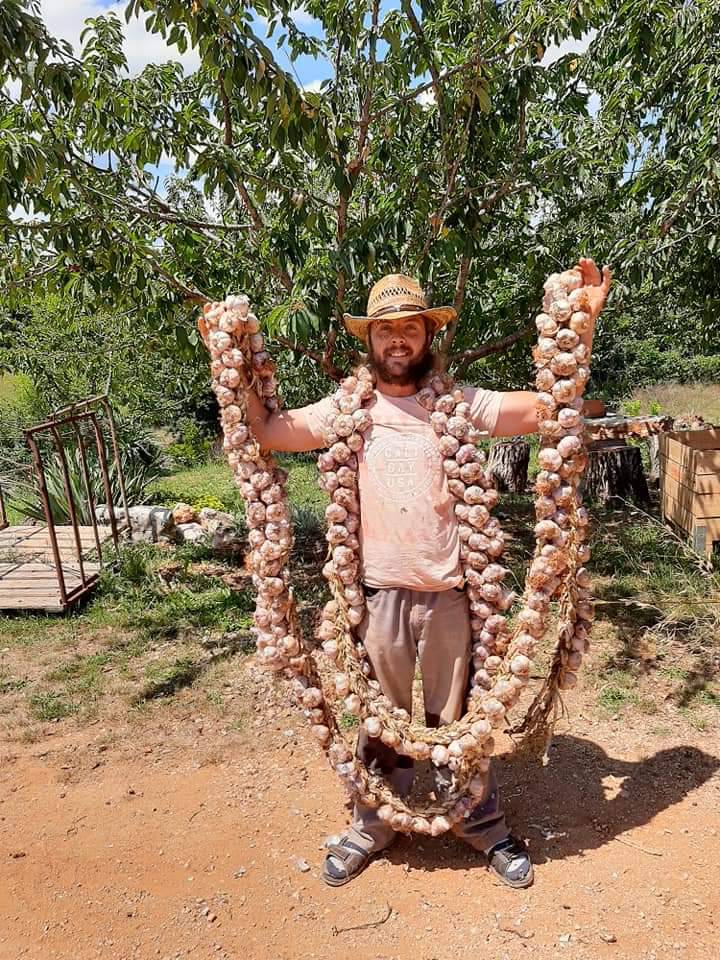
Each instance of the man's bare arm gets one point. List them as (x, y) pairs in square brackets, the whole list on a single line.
[(286, 431), (518, 414)]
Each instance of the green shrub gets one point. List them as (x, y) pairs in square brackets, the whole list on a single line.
[(208, 500), (193, 446), (140, 463)]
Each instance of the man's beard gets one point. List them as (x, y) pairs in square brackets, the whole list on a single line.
[(414, 372)]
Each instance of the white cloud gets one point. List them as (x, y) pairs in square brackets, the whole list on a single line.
[(427, 97), (66, 19), (571, 45)]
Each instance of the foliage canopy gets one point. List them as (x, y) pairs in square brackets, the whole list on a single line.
[(446, 143)]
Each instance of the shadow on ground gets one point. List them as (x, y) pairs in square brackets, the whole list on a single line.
[(570, 806)]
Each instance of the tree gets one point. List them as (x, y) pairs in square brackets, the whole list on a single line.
[(443, 145)]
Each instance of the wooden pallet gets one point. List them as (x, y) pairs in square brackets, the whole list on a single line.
[(28, 578), (690, 484)]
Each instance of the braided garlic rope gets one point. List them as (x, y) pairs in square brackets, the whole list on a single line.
[(501, 657)]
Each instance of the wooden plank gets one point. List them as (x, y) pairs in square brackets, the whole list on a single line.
[(28, 580), (48, 604), (35, 575), (679, 453), (38, 576), (20, 530), (697, 439), (688, 459), (708, 461), (699, 483), (671, 508), (18, 592), (699, 504)]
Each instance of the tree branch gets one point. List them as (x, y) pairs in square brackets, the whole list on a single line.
[(172, 217), (439, 217), (669, 222), (432, 67), (355, 166), (466, 357), (323, 361), (31, 277), (227, 112), (458, 301), (277, 271), (195, 295)]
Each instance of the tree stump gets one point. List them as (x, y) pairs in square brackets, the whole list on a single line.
[(508, 463), (615, 470), (653, 442)]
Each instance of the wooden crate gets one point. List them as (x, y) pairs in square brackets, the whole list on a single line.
[(690, 484)]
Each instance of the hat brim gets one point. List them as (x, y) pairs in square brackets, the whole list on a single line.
[(439, 316)]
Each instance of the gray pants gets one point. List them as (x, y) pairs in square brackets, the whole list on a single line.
[(401, 627)]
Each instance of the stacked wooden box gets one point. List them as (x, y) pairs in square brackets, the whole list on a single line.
[(690, 484)]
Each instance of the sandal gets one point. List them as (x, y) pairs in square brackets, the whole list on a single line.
[(344, 861), (510, 861)]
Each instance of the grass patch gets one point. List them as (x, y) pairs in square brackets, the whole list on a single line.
[(99, 653), (198, 485), (614, 699), (11, 684), (82, 674), (679, 400), (182, 611), (211, 484), (166, 679), (708, 698), (619, 691), (50, 706), (303, 489), (348, 721)]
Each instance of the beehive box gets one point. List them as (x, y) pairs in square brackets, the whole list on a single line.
[(690, 484)]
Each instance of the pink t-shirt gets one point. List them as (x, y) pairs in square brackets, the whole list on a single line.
[(408, 529)]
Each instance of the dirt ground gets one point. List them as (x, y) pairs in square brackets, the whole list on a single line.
[(179, 834)]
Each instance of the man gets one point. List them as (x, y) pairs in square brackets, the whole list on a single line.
[(416, 608)]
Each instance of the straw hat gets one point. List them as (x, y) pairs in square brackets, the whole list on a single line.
[(397, 296)]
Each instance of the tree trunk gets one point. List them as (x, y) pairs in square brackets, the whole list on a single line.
[(615, 470), (508, 463)]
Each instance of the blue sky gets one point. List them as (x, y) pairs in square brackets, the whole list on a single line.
[(66, 18)]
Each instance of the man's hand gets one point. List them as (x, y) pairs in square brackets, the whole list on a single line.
[(595, 284)]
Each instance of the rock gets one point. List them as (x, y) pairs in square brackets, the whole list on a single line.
[(190, 533), (147, 523), (302, 865), (225, 537), (184, 513), (162, 522)]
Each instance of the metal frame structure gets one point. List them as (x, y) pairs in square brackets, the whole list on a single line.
[(3, 514), (72, 419)]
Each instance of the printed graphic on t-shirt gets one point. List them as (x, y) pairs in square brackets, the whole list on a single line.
[(403, 467)]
